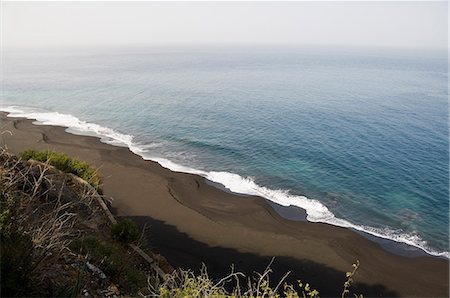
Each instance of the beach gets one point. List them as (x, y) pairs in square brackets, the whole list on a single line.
[(190, 221)]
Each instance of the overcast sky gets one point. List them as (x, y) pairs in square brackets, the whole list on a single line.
[(381, 24)]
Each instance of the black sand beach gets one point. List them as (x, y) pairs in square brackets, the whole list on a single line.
[(191, 222)]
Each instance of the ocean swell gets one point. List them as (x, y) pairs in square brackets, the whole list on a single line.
[(316, 211)]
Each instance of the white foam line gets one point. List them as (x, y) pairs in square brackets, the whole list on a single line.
[(74, 125), (315, 210)]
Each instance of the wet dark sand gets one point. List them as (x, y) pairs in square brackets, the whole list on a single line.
[(190, 221)]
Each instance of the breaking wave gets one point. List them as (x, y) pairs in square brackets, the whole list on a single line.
[(316, 211)]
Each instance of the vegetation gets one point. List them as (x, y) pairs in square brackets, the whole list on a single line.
[(64, 163), (7, 208), (31, 231), (349, 281), (41, 212), (17, 264), (113, 260), (182, 284), (125, 231), (187, 284)]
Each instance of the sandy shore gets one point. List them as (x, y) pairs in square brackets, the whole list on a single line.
[(189, 222)]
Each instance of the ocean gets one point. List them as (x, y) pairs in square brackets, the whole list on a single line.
[(356, 137)]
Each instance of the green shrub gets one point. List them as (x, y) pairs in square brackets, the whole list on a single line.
[(92, 246), (64, 163), (125, 231), (113, 260), (7, 210), (182, 283)]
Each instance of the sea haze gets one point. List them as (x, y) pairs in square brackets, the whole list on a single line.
[(358, 139)]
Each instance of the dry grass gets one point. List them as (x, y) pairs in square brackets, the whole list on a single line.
[(187, 284), (41, 213)]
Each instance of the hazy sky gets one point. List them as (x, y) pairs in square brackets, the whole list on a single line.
[(393, 24)]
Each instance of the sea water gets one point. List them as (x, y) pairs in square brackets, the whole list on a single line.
[(356, 137)]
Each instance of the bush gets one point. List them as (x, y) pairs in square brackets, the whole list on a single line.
[(125, 231), (64, 163), (92, 246), (182, 283), (113, 260), (7, 210)]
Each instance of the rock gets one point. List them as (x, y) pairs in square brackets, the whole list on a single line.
[(111, 291), (114, 289), (96, 270)]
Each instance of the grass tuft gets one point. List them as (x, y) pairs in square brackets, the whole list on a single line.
[(112, 261), (125, 231), (64, 163)]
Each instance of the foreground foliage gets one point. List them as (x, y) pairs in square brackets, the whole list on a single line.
[(113, 260), (181, 284), (125, 231), (44, 215)]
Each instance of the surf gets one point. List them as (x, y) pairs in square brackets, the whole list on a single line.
[(315, 210)]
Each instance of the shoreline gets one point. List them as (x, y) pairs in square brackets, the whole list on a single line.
[(299, 207), (211, 221)]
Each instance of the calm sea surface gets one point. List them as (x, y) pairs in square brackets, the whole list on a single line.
[(358, 139)]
